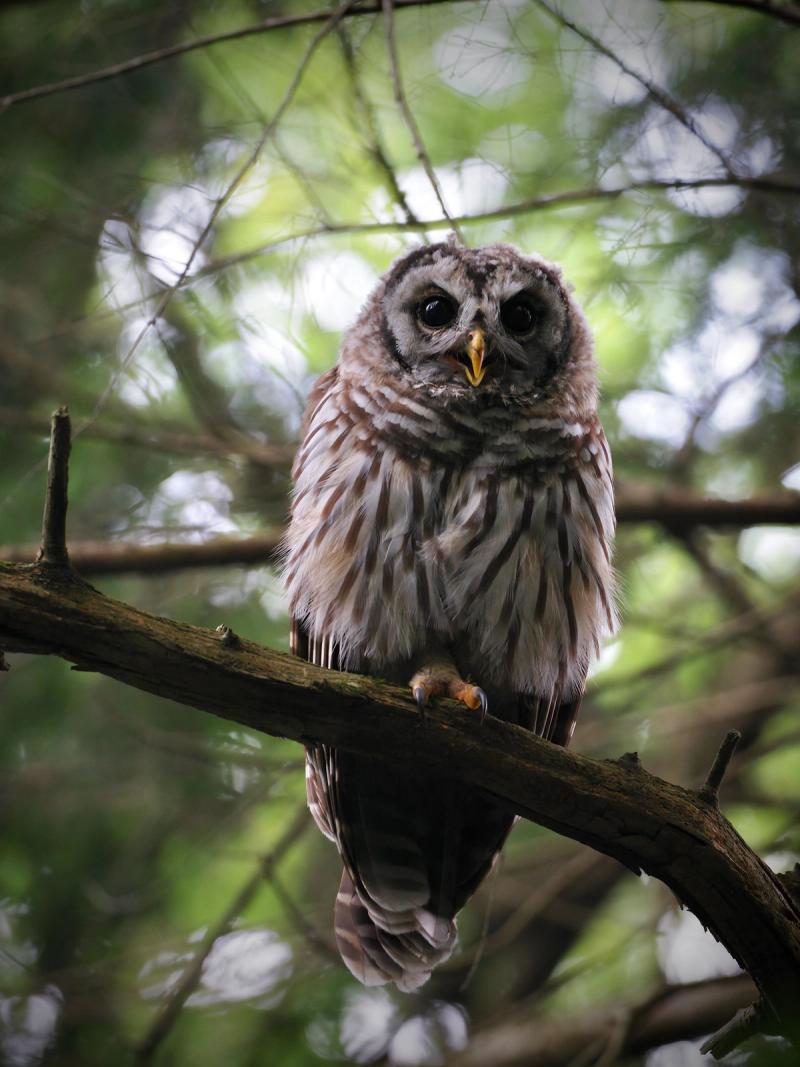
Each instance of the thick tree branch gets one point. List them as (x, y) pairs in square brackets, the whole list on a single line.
[(614, 806)]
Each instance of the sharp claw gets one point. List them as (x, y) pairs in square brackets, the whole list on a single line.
[(419, 696), (484, 704)]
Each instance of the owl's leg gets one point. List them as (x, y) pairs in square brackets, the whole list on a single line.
[(438, 676)]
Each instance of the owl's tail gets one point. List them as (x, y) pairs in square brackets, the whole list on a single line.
[(415, 847), (376, 955)]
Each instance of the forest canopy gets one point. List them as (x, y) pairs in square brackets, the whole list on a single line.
[(198, 198)]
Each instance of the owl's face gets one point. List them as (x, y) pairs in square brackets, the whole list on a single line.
[(461, 322)]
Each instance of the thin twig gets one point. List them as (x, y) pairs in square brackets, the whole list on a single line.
[(655, 92), (165, 439), (366, 115), (148, 59), (522, 207), (788, 186), (323, 946), (534, 904), (707, 407), (746, 1023), (116, 557), (268, 130), (710, 790), (408, 117), (53, 549), (171, 1008)]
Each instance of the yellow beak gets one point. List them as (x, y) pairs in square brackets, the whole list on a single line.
[(476, 350)]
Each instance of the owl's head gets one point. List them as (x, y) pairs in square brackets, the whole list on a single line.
[(459, 322)]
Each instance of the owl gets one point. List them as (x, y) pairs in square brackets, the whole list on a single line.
[(451, 529)]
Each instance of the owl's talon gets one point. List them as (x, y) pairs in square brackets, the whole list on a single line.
[(484, 705), (421, 698), (472, 696), (441, 679)]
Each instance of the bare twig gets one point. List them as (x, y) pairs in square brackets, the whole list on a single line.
[(164, 439), (746, 1023), (710, 790), (789, 186), (170, 1010), (267, 132), (366, 115), (53, 549), (776, 185), (664, 99), (108, 557), (786, 12), (677, 1013), (135, 63), (709, 404), (724, 582), (408, 117), (323, 946)]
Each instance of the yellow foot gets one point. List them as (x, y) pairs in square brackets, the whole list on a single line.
[(443, 681)]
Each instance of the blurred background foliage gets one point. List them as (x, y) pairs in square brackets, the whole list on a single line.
[(162, 896)]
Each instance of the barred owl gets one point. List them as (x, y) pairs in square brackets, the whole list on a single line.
[(451, 529)]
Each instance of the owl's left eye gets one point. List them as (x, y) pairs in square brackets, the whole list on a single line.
[(517, 315), (437, 311)]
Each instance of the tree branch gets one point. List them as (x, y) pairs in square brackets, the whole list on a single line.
[(369, 125), (615, 806), (332, 20), (408, 116), (163, 439), (661, 97), (673, 508), (170, 1009), (678, 1013), (788, 185), (135, 63)]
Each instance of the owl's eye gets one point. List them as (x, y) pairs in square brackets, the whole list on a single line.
[(517, 315), (437, 311)]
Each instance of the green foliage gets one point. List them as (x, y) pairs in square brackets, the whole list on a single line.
[(129, 826)]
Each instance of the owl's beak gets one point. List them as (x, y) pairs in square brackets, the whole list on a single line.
[(476, 352)]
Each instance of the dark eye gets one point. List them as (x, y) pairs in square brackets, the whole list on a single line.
[(517, 315), (437, 311)]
